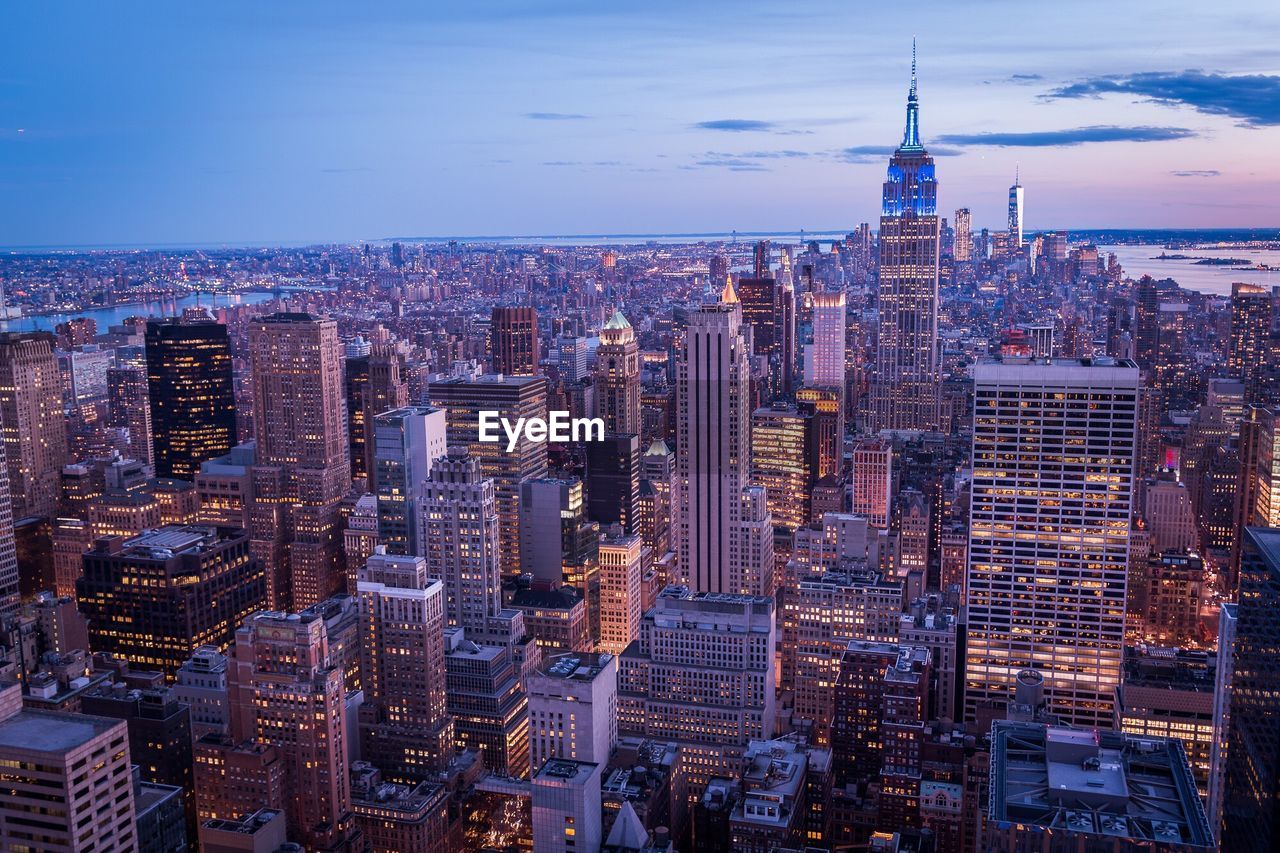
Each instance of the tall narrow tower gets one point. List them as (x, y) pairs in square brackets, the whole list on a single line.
[(719, 510), (303, 468), (905, 395), (618, 377), (1015, 213)]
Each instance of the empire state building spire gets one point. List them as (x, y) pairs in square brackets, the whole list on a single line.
[(911, 136)]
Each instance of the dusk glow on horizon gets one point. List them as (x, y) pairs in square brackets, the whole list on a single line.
[(296, 122)]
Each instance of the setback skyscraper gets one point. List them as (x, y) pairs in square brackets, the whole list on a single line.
[(905, 393), (302, 468), (31, 421)]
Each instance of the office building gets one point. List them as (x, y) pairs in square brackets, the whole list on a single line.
[(406, 442), (487, 702), (374, 385), (824, 359), (726, 542), (404, 728), (287, 694), (394, 817), (129, 406), (1250, 811), (769, 308), (58, 770), (573, 708), (154, 599), (621, 594), (1249, 349), (566, 806), (782, 462), (617, 378), (702, 674), (202, 687), (872, 484), (513, 340), (31, 422), (1051, 498), (1059, 790), (302, 468), (905, 393), (193, 408), (1016, 214), (460, 535), (463, 397), (613, 480), (963, 248)]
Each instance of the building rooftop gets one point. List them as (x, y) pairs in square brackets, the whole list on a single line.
[(54, 732), (566, 771), (1095, 783), (576, 666)]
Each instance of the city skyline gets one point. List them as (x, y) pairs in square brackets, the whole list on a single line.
[(292, 126)]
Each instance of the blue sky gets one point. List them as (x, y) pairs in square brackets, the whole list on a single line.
[(233, 122)]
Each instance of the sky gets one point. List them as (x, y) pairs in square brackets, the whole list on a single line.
[(287, 122)]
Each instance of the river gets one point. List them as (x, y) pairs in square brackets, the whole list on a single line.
[(107, 317)]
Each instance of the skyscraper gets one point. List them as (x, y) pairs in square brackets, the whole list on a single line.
[(374, 386), (193, 407), (769, 307), (404, 728), (302, 466), (287, 693), (618, 377), (129, 406), (460, 539), (824, 359), (513, 340), (463, 397), (10, 582), (717, 553), (406, 442), (621, 604), (1015, 214), (963, 244), (31, 421), (782, 462), (1053, 461), (873, 481), (905, 394), (1250, 812), (1253, 310)]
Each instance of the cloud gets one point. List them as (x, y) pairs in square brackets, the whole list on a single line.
[(735, 125), (733, 164), (761, 155), (1068, 137), (878, 153), (1024, 78), (556, 116), (1196, 173), (1254, 99)]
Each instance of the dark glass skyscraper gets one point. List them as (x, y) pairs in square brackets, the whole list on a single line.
[(905, 396), (1251, 810), (193, 409)]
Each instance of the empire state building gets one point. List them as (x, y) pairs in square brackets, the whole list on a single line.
[(906, 387)]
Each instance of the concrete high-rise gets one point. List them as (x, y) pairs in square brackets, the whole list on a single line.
[(1053, 477), (192, 400), (963, 248), (513, 340), (59, 770), (824, 359), (702, 674), (404, 728), (463, 397), (720, 545), (302, 468), (406, 442), (782, 462), (460, 539), (769, 308), (618, 377), (873, 481), (31, 422), (573, 708), (287, 696), (905, 395), (621, 598)]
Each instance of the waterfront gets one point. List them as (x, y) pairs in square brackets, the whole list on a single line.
[(116, 314), (1142, 259)]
